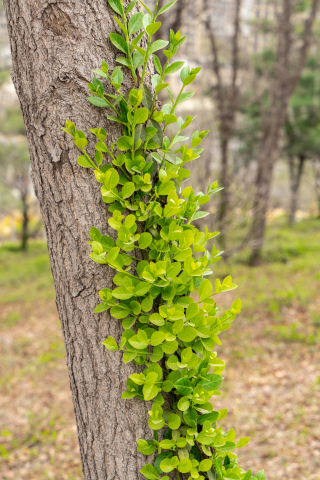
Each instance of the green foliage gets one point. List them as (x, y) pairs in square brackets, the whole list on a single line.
[(165, 328)]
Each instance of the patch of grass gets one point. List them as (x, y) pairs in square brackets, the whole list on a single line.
[(25, 276)]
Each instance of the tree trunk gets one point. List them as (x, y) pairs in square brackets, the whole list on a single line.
[(55, 46), (267, 155), (25, 223), (295, 179), (316, 170), (224, 182)]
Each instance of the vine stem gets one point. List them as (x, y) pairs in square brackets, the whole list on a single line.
[(178, 475)]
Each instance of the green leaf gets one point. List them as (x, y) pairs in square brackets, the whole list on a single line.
[(166, 188), (243, 442), (127, 190), (125, 143), (211, 382), (147, 97), (174, 421), (184, 97), (247, 475), (185, 465), (119, 42), (157, 64), (158, 45), (153, 28), (141, 115), (227, 447), (260, 475), (149, 472), (85, 162), (205, 289), (188, 334), (183, 404), (211, 417), (98, 102), (205, 465), (170, 118), (110, 344), (184, 386), (149, 392), (116, 6), (166, 7), (111, 178), (137, 60), (174, 67), (147, 303), (141, 289), (119, 312), (102, 307), (157, 338), (135, 23), (131, 6), (145, 240)]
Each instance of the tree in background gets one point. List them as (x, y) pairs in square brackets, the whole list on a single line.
[(289, 63), (15, 177), (226, 96), (302, 136)]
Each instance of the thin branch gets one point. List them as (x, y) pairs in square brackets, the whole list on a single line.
[(235, 48)]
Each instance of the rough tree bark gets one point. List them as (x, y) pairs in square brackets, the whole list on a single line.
[(55, 46), (295, 172), (287, 75)]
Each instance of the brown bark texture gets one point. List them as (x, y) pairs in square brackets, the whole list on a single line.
[(55, 47)]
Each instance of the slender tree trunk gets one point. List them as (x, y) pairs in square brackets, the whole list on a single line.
[(316, 170), (224, 182), (295, 179), (25, 223), (266, 158), (55, 47)]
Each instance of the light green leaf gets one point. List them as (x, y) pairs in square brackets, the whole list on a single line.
[(145, 240), (243, 442), (185, 465), (188, 334), (98, 102), (205, 465), (116, 6), (125, 143), (153, 28), (174, 67), (127, 190), (110, 344), (205, 289), (174, 421), (149, 472), (141, 115), (111, 179), (135, 23), (166, 7), (158, 45)]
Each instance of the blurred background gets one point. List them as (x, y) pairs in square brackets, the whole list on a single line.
[(272, 379)]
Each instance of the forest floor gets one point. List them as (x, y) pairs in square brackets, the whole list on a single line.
[(272, 378)]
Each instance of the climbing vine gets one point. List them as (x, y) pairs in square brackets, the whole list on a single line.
[(170, 319)]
